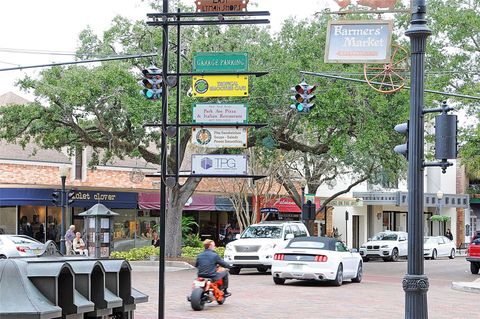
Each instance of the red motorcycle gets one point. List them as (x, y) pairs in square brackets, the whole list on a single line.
[(206, 290)]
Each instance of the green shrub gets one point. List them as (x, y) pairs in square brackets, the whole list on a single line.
[(188, 251), (142, 253), (192, 240)]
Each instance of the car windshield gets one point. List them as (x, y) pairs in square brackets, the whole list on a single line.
[(307, 244), (263, 232), (385, 236), (19, 240)]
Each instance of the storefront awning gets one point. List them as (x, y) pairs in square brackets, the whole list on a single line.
[(196, 202), (283, 204)]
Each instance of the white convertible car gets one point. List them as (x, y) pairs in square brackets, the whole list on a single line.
[(439, 246), (316, 258)]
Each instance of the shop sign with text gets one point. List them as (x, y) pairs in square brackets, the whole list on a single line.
[(210, 164), (220, 62), (220, 113), (358, 41), (220, 86), (221, 5), (220, 137)]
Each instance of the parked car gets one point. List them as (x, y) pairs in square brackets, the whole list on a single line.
[(388, 245), (316, 258), (473, 255), (255, 246), (438, 246), (19, 245)]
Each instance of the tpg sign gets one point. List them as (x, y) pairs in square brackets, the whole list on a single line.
[(203, 164)]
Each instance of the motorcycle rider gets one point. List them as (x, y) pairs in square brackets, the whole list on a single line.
[(207, 262)]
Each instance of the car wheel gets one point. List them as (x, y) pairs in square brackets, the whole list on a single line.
[(278, 281), (359, 276), (474, 268), (394, 255), (366, 259), (452, 254), (434, 254), (262, 269), (235, 270), (339, 278), (3, 257)]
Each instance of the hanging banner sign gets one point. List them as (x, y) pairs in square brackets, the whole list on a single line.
[(220, 62), (203, 164), (358, 41), (220, 86), (220, 113), (220, 137), (221, 5)]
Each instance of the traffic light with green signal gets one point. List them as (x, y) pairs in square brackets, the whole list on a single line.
[(152, 83), (303, 98)]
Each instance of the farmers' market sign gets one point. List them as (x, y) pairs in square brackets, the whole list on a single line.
[(358, 41)]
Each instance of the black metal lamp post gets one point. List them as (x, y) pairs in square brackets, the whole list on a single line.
[(415, 283), (63, 171)]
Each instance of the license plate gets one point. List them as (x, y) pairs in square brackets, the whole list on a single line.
[(37, 251), (197, 283), (297, 267), (297, 274)]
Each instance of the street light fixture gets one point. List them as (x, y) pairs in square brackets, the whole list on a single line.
[(63, 172)]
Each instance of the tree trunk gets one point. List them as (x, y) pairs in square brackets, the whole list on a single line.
[(177, 197)]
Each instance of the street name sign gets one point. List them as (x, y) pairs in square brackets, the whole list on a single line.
[(220, 113), (267, 210), (220, 86), (220, 62), (221, 5), (208, 164), (358, 41), (220, 137)]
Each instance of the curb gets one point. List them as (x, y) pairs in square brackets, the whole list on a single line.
[(168, 263), (472, 287)]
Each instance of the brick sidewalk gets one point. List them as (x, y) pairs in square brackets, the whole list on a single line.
[(256, 296)]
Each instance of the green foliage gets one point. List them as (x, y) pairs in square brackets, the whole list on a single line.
[(142, 253), (194, 251), (440, 218), (192, 240), (188, 222)]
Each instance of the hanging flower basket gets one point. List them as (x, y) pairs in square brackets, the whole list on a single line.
[(440, 218)]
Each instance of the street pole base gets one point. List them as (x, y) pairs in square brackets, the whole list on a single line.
[(416, 288)]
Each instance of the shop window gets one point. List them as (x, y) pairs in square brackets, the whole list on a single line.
[(32, 222), (8, 220), (79, 163)]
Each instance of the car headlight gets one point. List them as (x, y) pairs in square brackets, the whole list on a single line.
[(384, 246)]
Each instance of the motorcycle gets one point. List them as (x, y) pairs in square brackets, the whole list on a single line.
[(206, 290)]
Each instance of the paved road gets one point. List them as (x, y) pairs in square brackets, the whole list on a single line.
[(380, 295)]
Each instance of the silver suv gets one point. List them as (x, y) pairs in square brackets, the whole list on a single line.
[(255, 246)]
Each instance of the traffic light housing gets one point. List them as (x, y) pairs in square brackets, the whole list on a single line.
[(402, 148), (56, 198), (70, 197), (446, 132), (152, 83), (309, 210), (303, 98)]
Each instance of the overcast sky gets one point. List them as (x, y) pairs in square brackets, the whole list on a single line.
[(54, 25)]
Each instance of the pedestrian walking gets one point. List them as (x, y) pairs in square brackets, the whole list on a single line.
[(69, 237)]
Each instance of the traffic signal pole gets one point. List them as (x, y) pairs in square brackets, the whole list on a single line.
[(63, 200), (415, 283), (163, 163)]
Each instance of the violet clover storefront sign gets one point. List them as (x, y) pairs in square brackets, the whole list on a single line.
[(358, 41)]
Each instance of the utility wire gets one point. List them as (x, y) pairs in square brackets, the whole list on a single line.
[(126, 57)]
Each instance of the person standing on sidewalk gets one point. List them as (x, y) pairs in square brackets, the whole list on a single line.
[(69, 237), (449, 234)]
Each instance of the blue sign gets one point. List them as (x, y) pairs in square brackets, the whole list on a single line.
[(43, 197), (351, 41)]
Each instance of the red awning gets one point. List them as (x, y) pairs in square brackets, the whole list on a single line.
[(285, 204), (196, 202)]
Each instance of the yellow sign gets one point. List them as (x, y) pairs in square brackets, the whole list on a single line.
[(220, 85)]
